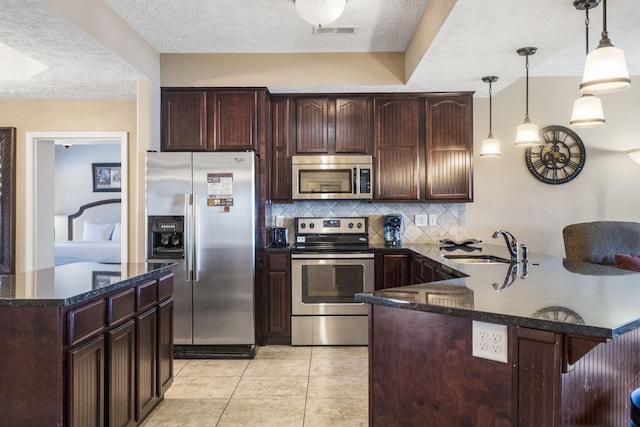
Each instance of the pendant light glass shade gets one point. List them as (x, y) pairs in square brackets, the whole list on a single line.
[(527, 134), (635, 155), (320, 12), (605, 71), (606, 67), (490, 147), (587, 112)]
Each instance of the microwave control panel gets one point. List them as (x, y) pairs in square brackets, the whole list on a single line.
[(365, 181)]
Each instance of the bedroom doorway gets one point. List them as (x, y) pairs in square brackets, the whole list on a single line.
[(42, 224)]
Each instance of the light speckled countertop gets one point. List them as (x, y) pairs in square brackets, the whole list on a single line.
[(548, 293)]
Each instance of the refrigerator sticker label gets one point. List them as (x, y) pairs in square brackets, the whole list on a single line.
[(220, 190)]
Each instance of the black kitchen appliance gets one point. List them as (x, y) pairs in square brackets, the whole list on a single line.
[(279, 237), (392, 230)]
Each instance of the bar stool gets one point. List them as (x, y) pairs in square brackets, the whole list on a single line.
[(634, 408)]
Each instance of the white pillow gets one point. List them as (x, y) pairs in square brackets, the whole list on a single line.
[(117, 231), (95, 231)]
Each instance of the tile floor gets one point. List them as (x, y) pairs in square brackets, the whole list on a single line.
[(283, 386)]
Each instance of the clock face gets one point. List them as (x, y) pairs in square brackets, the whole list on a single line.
[(559, 159)]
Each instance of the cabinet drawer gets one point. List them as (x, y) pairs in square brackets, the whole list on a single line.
[(85, 321), (279, 262), (147, 295), (165, 287), (121, 306)]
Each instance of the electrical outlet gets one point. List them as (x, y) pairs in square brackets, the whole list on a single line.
[(432, 219), (490, 341), (421, 220)]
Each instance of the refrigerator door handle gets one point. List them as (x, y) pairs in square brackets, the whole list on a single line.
[(196, 275), (188, 237)]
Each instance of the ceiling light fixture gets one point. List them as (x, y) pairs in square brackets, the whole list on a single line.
[(527, 134), (490, 146), (587, 110), (635, 155), (606, 68), (320, 12)]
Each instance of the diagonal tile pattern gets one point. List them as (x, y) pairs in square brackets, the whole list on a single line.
[(283, 386)]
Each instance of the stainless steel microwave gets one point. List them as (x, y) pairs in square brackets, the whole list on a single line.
[(331, 177)]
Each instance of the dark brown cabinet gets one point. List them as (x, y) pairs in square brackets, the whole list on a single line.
[(396, 143), (421, 270), (121, 345), (146, 362), (276, 298), (86, 384), (392, 269), (279, 169), (206, 119), (333, 125), (449, 145)]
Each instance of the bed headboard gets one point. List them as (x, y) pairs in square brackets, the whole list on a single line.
[(102, 215)]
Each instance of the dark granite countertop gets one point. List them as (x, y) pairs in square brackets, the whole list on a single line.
[(71, 283), (547, 293)]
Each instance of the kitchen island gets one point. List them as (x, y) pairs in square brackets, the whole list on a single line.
[(570, 340), (85, 344)]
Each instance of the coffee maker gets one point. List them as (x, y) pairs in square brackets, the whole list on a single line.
[(392, 229), (166, 237)]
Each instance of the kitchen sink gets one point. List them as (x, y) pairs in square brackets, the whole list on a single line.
[(477, 259)]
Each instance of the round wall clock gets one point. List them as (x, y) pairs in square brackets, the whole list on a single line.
[(559, 158)]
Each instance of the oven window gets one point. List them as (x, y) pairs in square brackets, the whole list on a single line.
[(331, 283), (325, 181)]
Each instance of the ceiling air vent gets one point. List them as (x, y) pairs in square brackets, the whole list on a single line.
[(321, 31)]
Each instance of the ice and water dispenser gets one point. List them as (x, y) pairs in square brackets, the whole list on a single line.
[(166, 237)]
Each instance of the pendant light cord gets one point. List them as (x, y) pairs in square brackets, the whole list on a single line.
[(490, 112), (526, 114), (586, 28)]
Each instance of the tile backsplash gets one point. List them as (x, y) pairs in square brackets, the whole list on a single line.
[(450, 218)]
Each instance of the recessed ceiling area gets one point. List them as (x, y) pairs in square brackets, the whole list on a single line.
[(476, 39)]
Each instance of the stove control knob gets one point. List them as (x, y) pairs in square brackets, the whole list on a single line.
[(350, 225), (312, 225), (303, 225), (359, 225)]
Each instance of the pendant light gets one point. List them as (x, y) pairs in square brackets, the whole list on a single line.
[(527, 134), (587, 110), (490, 146), (320, 12), (606, 68)]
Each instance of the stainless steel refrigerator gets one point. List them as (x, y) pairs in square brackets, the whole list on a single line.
[(214, 195)]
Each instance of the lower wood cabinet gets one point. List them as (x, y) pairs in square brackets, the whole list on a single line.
[(392, 268), (276, 298), (105, 361)]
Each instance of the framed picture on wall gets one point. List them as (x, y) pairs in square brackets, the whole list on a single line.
[(106, 177)]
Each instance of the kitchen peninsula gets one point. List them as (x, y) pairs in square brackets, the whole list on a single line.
[(85, 344), (571, 345)]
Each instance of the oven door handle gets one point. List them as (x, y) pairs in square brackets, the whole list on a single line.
[(367, 255)]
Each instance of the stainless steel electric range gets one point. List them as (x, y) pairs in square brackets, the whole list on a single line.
[(331, 261)]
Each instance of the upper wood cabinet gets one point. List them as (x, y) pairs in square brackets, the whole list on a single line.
[(212, 119), (449, 145), (279, 163), (396, 142), (333, 125)]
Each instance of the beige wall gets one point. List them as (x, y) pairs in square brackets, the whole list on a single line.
[(68, 116), (507, 196)]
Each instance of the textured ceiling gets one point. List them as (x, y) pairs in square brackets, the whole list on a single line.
[(478, 38)]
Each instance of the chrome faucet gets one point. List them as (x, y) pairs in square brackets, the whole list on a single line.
[(512, 244)]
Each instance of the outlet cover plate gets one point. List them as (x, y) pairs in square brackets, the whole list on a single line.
[(432, 219), (490, 341)]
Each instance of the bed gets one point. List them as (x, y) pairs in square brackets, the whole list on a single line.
[(93, 234)]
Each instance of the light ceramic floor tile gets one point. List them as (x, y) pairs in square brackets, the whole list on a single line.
[(215, 368), (263, 413), (339, 367), (178, 364), (186, 413), (270, 387), (202, 387), (278, 368), (340, 352), (336, 412), (338, 388), (283, 352)]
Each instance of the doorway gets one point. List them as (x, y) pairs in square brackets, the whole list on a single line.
[(40, 201)]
